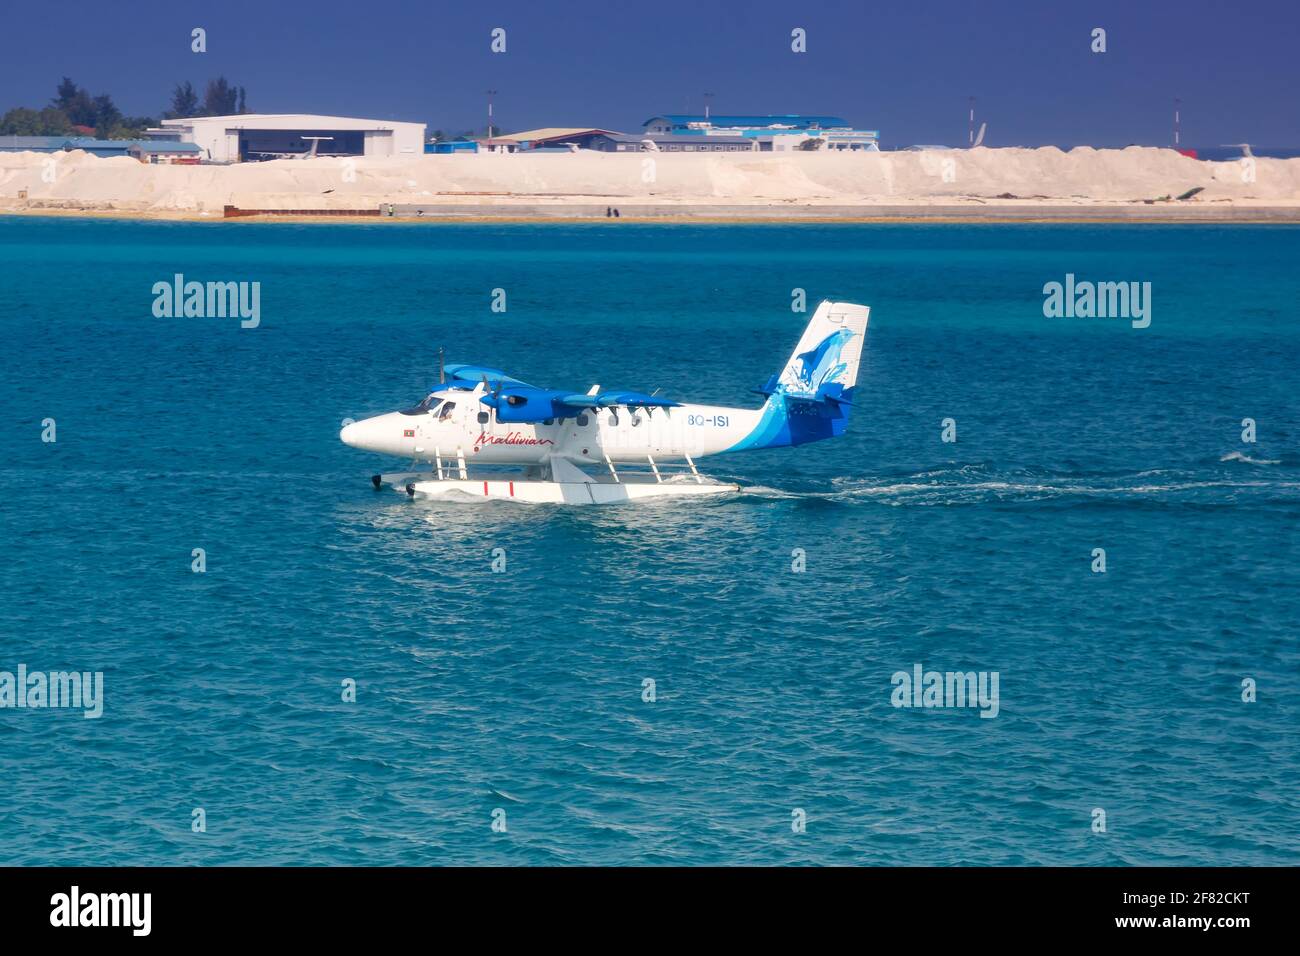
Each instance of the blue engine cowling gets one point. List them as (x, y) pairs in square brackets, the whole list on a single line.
[(523, 405)]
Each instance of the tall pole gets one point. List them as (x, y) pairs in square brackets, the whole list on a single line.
[(1178, 121), (970, 126), (490, 94), (707, 97)]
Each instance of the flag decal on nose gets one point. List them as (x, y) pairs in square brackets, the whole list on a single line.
[(408, 433)]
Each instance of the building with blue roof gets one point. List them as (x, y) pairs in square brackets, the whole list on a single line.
[(630, 143), (143, 149), (686, 123), (773, 132), (452, 146)]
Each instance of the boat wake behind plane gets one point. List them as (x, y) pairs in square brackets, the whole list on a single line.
[(485, 434)]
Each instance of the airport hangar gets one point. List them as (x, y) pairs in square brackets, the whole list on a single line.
[(232, 139)]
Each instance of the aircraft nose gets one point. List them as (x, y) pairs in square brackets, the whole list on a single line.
[(378, 434)]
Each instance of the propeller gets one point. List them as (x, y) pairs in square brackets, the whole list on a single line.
[(494, 391), (442, 371)]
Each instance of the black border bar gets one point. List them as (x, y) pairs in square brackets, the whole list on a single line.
[(332, 905)]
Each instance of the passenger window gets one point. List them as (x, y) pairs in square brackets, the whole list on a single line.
[(482, 418), (582, 421)]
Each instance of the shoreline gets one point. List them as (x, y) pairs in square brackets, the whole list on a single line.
[(719, 214), (978, 185)]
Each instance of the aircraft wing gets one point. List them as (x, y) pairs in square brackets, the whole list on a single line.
[(460, 375), (525, 403), (502, 386), (607, 399), (635, 400)]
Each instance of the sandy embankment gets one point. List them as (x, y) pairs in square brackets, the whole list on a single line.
[(983, 180)]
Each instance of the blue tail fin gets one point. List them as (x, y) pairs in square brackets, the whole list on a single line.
[(809, 399)]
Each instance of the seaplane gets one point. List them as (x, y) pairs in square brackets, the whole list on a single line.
[(484, 434)]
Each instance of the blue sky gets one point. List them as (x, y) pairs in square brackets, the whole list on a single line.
[(905, 68)]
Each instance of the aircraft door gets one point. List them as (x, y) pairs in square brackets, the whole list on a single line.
[(445, 424), (581, 432)]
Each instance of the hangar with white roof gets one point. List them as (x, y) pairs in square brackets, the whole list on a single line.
[(252, 136)]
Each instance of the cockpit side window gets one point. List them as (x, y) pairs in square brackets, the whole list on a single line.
[(445, 412), (430, 403)]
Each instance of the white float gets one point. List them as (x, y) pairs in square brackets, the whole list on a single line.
[(560, 481)]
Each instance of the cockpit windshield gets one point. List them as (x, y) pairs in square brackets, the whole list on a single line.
[(430, 403)]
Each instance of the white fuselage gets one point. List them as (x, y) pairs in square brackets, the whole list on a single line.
[(461, 422), (471, 429)]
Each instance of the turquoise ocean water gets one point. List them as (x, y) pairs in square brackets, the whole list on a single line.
[(522, 691)]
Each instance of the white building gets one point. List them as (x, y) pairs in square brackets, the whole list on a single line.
[(834, 140), (774, 133), (231, 139)]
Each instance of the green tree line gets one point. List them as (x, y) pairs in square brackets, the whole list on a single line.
[(73, 106)]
